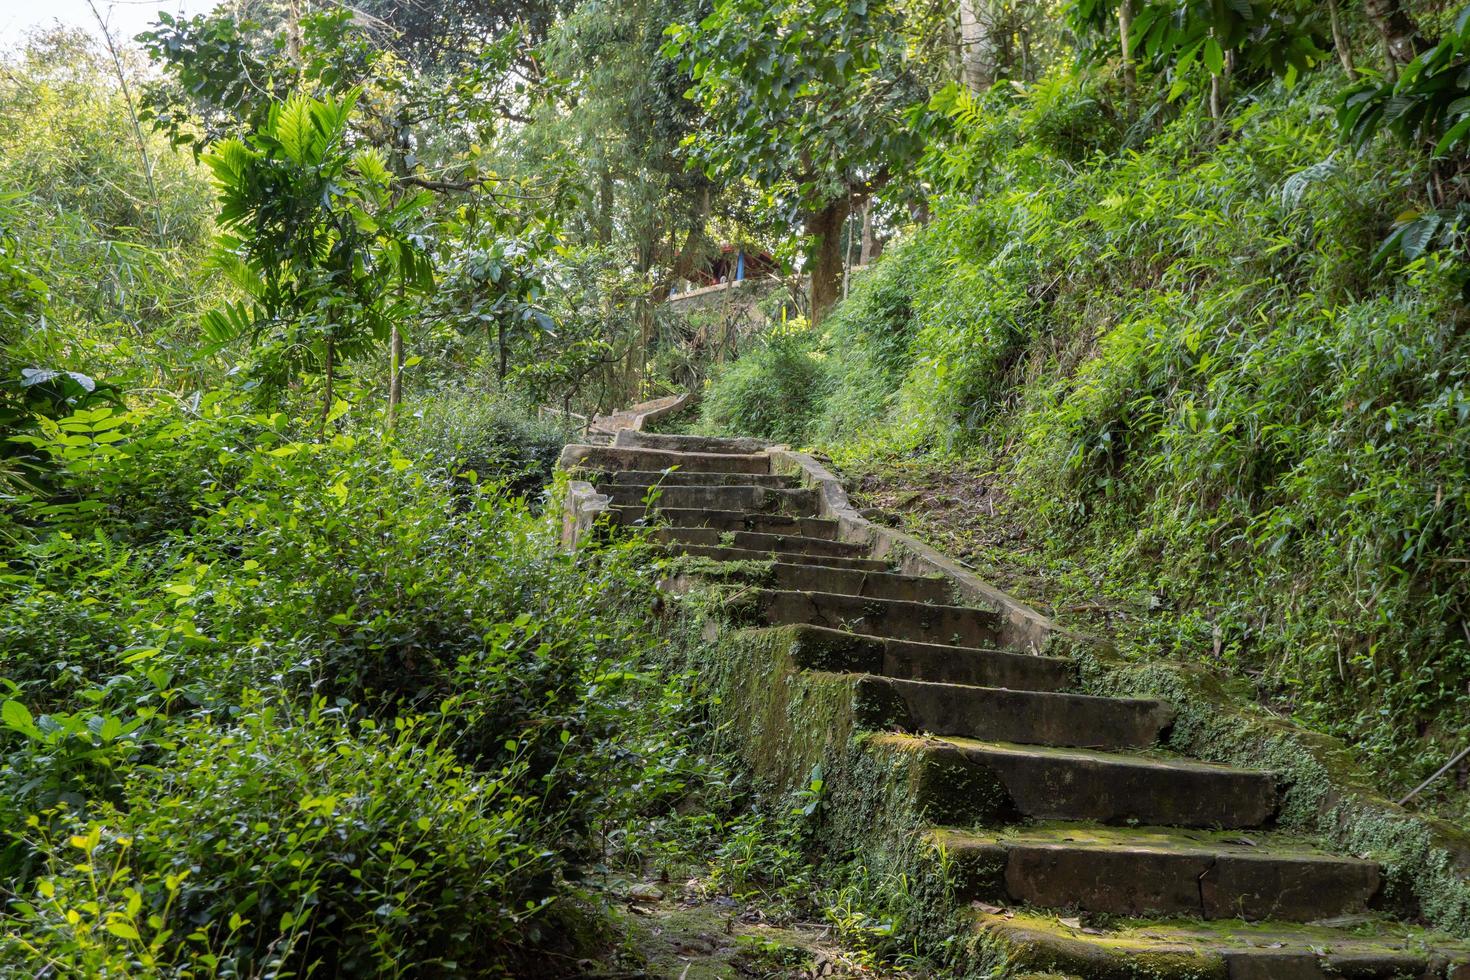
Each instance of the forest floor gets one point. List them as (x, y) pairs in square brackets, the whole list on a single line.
[(669, 930), (962, 511)]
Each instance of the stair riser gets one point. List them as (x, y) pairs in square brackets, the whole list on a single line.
[(1155, 883), (816, 648), (689, 444), (729, 520), (1121, 790), (1025, 717), (796, 503), (618, 459), (682, 478), (985, 668), (749, 541), (871, 617), (736, 554)]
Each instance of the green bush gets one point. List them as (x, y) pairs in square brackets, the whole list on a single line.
[(279, 840), (772, 392), (449, 698), (490, 434)]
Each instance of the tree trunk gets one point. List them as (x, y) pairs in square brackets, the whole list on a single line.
[(1401, 37), (1125, 43), (824, 228), (395, 376), (1341, 41), (977, 57), (321, 434), (502, 365), (605, 207), (870, 239)]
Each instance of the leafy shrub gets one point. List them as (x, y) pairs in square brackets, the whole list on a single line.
[(282, 841), (488, 433), (772, 392), (432, 657)]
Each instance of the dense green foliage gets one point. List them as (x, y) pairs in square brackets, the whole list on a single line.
[(280, 719), (297, 309), (1186, 371)]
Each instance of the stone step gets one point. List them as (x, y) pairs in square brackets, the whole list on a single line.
[(1043, 783), (688, 478), (797, 503), (1155, 871), (618, 458), (1024, 717), (787, 544), (820, 648), (740, 555), (728, 520), (1039, 944), (877, 585), (926, 622), (690, 444)]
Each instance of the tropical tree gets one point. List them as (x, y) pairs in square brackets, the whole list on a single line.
[(321, 240), (811, 100)]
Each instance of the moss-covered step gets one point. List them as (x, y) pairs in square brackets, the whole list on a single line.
[(1022, 942), (899, 620), (722, 553), (725, 520), (1025, 717), (1045, 783), (820, 648), (790, 544), (789, 575), (617, 458), (1157, 871), (690, 478), (798, 503)]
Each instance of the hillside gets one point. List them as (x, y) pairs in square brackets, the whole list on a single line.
[(345, 633)]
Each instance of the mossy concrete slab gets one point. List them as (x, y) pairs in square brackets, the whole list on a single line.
[(754, 541), (629, 515), (615, 458), (1218, 951), (799, 503), (1027, 717), (631, 439), (1079, 784), (895, 619), (692, 478), (1127, 871), (789, 576), (821, 648), (723, 553)]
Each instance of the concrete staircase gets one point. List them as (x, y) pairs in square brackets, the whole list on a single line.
[(1077, 846)]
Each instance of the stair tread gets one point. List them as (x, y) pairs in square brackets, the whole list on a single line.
[(1082, 835), (1058, 696), (721, 553), (1186, 948), (1151, 759)]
